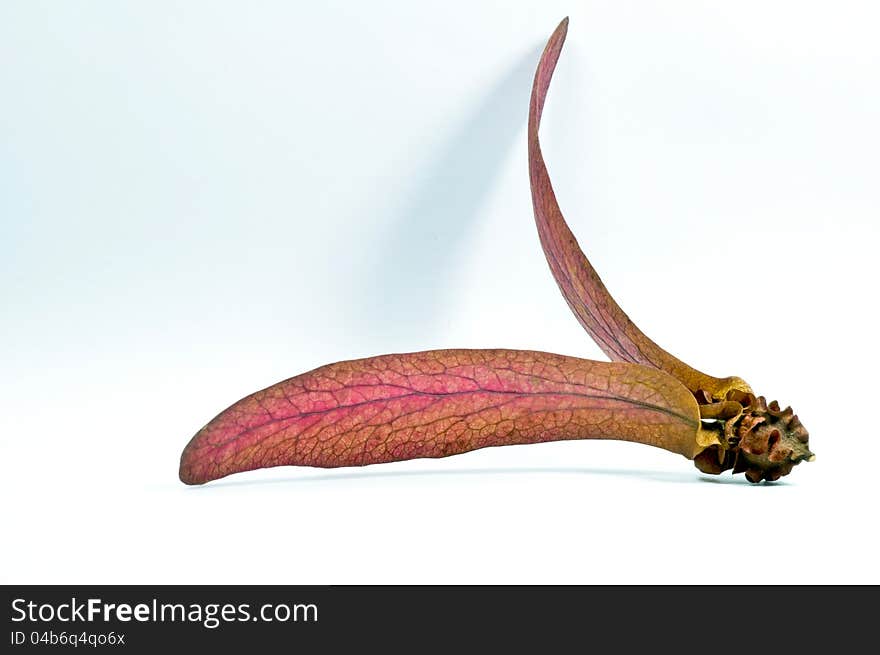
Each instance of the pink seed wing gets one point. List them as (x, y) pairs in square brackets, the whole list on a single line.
[(586, 295), (440, 403)]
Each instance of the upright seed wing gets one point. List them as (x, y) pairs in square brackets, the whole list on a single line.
[(584, 292)]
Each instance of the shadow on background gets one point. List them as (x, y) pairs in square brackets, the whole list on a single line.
[(411, 264), (685, 477)]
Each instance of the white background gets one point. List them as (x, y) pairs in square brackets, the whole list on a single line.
[(200, 199)]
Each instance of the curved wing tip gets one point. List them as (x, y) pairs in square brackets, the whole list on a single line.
[(555, 42), (562, 28), (186, 476), (188, 471)]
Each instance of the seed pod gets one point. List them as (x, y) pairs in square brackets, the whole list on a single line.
[(444, 402)]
